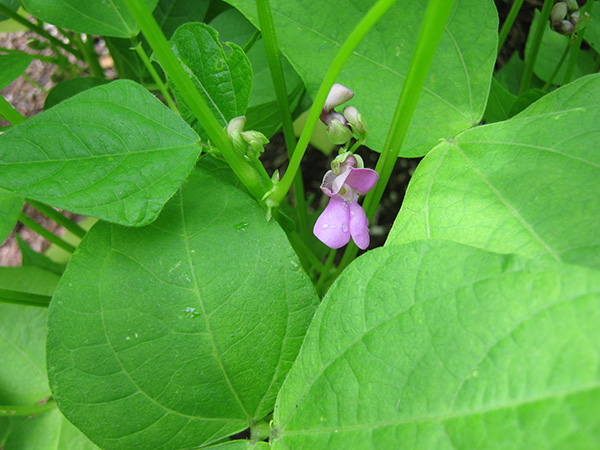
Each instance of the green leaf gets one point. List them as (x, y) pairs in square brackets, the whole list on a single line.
[(170, 14), (552, 47), (592, 29), (436, 345), (32, 258), (22, 335), (114, 152), (11, 66), (108, 18), (48, 431), (263, 113), (223, 80), (10, 209), (69, 88), (457, 87), (186, 327), (499, 104), (525, 99), (12, 4), (527, 186), (239, 445)]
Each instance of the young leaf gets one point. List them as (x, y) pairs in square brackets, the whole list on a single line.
[(225, 81), (437, 345), (186, 327), (114, 152), (528, 185), (457, 87), (108, 18), (11, 66)]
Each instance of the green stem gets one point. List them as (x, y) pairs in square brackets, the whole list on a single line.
[(90, 55), (325, 272), (359, 32), (508, 23), (577, 45), (60, 219), (248, 45), (34, 226), (304, 252), (244, 170), (557, 68), (48, 59), (39, 30), (24, 298), (267, 27), (26, 410), (10, 113), (437, 14), (542, 25), (35, 83), (154, 74)]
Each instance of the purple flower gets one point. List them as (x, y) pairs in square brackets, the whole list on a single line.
[(344, 217)]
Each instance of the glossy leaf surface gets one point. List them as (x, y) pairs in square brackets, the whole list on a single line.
[(528, 185), (457, 86), (186, 327), (436, 345), (108, 18), (114, 152)]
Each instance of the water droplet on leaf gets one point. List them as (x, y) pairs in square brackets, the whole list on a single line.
[(241, 226)]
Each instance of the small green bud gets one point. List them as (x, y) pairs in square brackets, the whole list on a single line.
[(256, 140), (338, 132), (236, 125), (572, 5), (356, 121), (557, 15)]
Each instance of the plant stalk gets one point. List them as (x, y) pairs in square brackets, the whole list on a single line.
[(508, 23), (24, 298), (60, 219), (587, 9), (34, 226), (10, 113), (267, 27), (244, 170)]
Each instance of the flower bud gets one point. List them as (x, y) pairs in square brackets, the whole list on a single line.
[(343, 162), (356, 121), (337, 95), (256, 140), (557, 15), (338, 132), (236, 125), (566, 27), (572, 5)]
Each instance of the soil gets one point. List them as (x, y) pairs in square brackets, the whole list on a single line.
[(27, 93)]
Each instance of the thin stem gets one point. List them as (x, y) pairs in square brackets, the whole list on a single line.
[(557, 68), (39, 30), (304, 252), (24, 298), (35, 83), (325, 272), (359, 32), (26, 410), (436, 16), (34, 226), (577, 45), (244, 170), (154, 74), (60, 219), (542, 25), (248, 45), (508, 23), (10, 113), (267, 27), (90, 55), (48, 59)]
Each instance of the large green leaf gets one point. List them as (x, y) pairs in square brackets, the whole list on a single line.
[(12, 4), (528, 185), (11, 66), (114, 152), (224, 80), (436, 345), (263, 113), (456, 89), (108, 18), (186, 327)]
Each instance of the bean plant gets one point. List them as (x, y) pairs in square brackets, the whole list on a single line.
[(208, 300)]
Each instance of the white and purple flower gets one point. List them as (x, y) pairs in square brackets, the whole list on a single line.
[(343, 217)]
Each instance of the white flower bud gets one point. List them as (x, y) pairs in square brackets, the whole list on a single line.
[(356, 120), (337, 95)]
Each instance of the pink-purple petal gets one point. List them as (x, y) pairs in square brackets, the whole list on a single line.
[(333, 225), (359, 226), (362, 180)]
